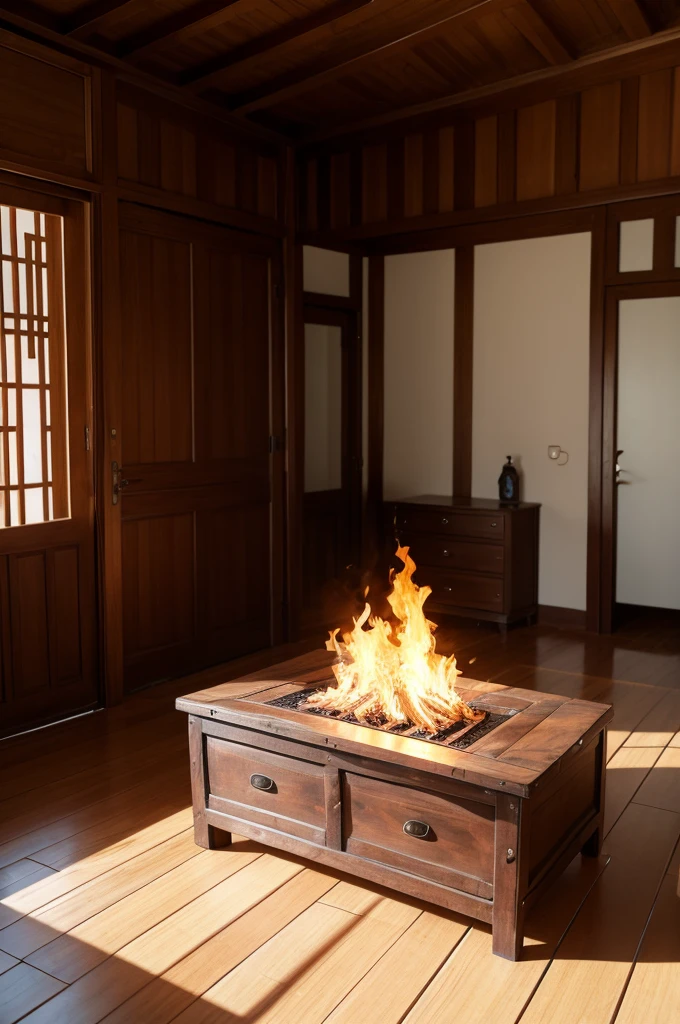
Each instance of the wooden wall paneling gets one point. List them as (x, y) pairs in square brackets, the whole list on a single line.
[(356, 185), (376, 405), (5, 634), (507, 156), (413, 175), (675, 124), (128, 144), (594, 619), (374, 194), (654, 125), (45, 110), (324, 191), (431, 172), (464, 164), (295, 404), (177, 158), (600, 134), (463, 335), (341, 210), (311, 205), (536, 127), (267, 187), (486, 161), (566, 145), (630, 99), (396, 194), (446, 169)]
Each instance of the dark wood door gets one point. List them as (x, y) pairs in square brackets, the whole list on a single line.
[(47, 545), (198, 507), (332, 462)]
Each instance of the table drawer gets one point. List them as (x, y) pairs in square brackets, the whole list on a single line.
[(268, 789), (466, 589), (459, 524), (458, 831), (450, 553)]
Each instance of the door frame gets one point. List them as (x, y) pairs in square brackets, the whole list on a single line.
[(76, 207), (615, 294)]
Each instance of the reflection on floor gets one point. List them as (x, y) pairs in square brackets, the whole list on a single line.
[(109, 912)]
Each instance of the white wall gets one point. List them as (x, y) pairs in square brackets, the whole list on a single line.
[(648, 553), (325, 271), (418, 448), (530, 390)]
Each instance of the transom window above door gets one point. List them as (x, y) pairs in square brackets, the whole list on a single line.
[(33, 450)]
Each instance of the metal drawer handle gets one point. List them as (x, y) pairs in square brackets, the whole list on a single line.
[(261, 782), (445, 553), (447, 588), (417, 829), (445, 521), (494, 524)]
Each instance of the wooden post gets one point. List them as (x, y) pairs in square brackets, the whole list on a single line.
[(510, 876), (205, 835)]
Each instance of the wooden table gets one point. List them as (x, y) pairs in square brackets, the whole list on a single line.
[(482, 831)]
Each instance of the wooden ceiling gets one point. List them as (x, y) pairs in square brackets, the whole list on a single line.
[(313, 68)]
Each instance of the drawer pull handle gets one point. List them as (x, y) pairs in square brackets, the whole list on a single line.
[(445, 521), (261, 782), (445, 553), (417, 829), (448, 588), (494, 524)]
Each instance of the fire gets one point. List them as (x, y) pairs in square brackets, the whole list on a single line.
[(391, 675)]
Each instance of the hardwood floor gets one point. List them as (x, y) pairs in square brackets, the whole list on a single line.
[(108, 911)]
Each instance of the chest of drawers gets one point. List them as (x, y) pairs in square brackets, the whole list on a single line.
[(479, 557)]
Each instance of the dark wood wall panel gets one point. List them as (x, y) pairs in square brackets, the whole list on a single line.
[(29, 617), (617, 134), (179, 153), (44, 109)]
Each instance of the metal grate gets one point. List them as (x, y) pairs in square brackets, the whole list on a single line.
[(297, 701)]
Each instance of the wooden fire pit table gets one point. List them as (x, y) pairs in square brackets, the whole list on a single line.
[(481, 830)]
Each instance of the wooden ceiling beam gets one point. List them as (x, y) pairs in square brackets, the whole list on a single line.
[(302, 80), (29, 11), (85, 18), (631, 58), (270, 41), (182, 24), (536, 30), (632, 18)]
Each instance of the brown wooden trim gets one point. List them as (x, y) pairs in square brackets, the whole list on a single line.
[(614, 295), (89, 14), (595, 377), (561, 618), (631, 17), (376, 403), (268, 41), (663, 210), (463, 337)]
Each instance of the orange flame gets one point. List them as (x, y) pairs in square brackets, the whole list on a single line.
[(389, 675)]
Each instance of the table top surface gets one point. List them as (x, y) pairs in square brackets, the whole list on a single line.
[(532, 745)]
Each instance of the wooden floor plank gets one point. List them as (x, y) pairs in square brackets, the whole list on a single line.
[(661, 787), (659, 726), (626, 771), (653, 992), (106, 987), (22, 988), (504, 987), (7, 961), (74, 953), (308, 968), (95, 864), (168, 995), (593, 962), (393, 985)]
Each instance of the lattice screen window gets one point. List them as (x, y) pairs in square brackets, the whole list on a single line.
[(33, 451)]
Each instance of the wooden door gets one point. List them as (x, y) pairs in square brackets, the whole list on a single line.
[(198, 507), (47, 545), (332, 462)]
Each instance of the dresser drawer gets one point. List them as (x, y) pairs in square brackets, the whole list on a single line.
[(450, 553), (459, 524), (457, 831), (268, 789), (466, 589)]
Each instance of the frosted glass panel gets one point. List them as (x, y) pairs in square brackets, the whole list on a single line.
[(648, 553), (636, 245), (677, 241), (323, 408), (325, 271)]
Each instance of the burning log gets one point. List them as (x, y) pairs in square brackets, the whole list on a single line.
[(388, 675)]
